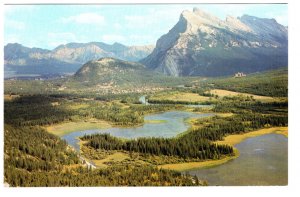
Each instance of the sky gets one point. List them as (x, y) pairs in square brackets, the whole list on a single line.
[(47, 26)]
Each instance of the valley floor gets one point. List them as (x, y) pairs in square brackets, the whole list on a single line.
[(209, 141)]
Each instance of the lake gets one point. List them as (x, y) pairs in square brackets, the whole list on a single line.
[(263, 160), (170, 124)]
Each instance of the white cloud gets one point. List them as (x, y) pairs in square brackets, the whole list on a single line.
[(111, 38), (85, 18)]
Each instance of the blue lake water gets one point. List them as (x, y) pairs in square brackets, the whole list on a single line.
[(172, 125), (263, 160)]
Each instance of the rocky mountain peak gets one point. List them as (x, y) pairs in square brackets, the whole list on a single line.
[(198, 17), (202, 44), (205, 15), (117, 44)]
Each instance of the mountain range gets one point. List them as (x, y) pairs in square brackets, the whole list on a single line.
[(66, 58), (201, 44)]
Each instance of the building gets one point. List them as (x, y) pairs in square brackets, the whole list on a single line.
[(239, 74)]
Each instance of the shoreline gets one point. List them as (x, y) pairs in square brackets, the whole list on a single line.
[(68, 127), (238, 138), (229, 140), (181, 167)]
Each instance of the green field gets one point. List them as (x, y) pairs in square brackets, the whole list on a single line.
[(224, 93), (61, 129)]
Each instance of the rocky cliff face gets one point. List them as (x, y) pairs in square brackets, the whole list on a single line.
[(204, 45)]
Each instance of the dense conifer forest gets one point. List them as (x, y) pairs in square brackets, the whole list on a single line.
[(183, 147), (34, 157)]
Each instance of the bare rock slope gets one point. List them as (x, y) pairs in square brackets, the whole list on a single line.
[(201, 44)]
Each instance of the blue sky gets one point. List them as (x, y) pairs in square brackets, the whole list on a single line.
[(47, 26)]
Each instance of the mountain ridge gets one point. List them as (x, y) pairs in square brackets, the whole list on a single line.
[(25, 60), (201, 44)]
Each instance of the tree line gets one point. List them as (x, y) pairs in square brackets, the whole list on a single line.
[(243, 106), (218, 127), (184, 147)]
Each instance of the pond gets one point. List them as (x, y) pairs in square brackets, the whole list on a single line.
[(165, 124), (263, 160)]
